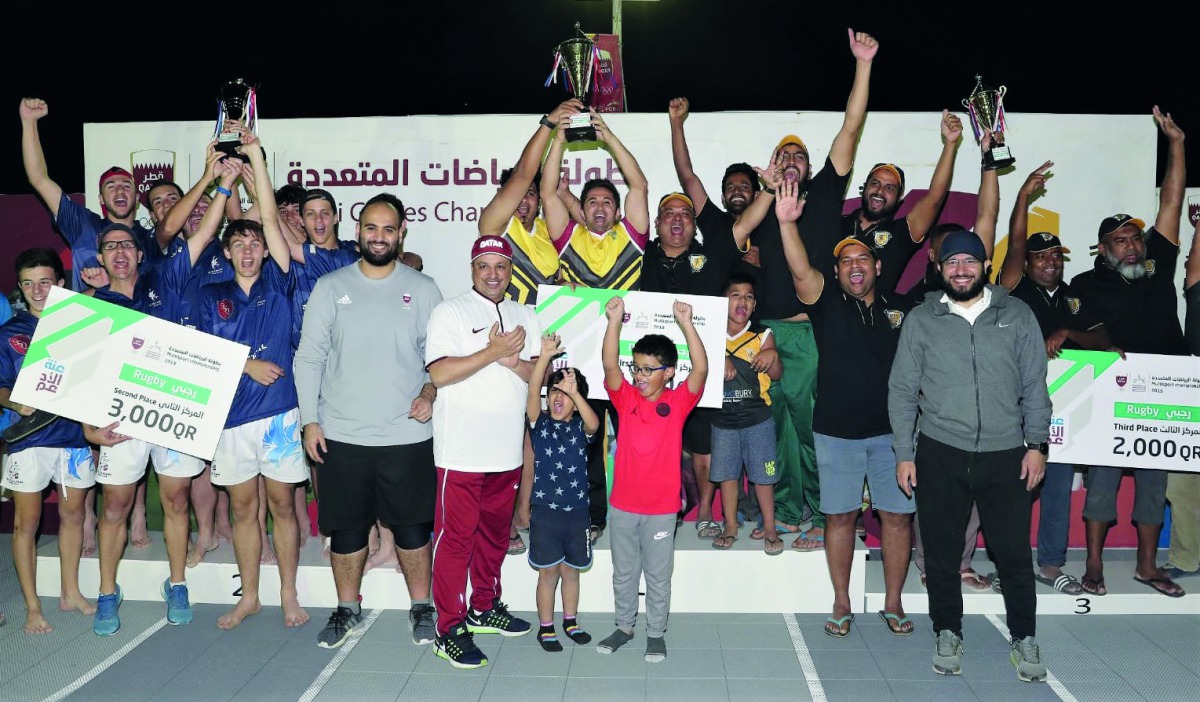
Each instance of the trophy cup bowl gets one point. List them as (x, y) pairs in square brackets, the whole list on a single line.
[(236, 102), (985, 107), (577, 56)]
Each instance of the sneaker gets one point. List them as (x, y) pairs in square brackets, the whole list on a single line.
[(496, 620), (947, 654), (656, 649), (420, 620), (108, 620), (341, 624), (1027, 658), (614, 641), (179, 609), (458, 647)]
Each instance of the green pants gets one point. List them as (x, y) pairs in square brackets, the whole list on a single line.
[(792, 398), (1183, 492)]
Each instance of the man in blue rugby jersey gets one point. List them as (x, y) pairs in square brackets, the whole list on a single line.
[(261, 435)]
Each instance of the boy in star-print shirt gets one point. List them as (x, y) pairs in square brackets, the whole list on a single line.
[(559, 546)]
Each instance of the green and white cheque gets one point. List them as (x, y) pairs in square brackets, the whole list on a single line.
[(577, 316), (99, 363), (1139, 412)]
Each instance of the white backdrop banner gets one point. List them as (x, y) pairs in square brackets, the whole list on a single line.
[(446, 168)]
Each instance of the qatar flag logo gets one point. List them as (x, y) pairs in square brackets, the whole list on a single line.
[(1121, 380), (148, 167), (137, 342), (225, 309)]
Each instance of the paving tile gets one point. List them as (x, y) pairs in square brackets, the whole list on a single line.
[(685, 689), (531, 689), (458, 686), (754, 635), (363, 687), (688, 663), (764, 664), (944, 689), (384, 656), (605, 690), (533, 662), (836, 691)]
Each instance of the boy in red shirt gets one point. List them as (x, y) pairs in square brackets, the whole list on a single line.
[(646, 480)]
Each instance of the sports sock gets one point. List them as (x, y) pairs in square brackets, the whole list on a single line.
[(548, 638), (352, 606), (577, 634)]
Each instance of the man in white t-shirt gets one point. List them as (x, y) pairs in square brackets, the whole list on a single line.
[(479, 351)]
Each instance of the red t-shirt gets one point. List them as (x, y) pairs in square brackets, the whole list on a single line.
[(646, 473)]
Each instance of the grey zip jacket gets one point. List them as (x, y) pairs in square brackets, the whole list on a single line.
[(978, 387)]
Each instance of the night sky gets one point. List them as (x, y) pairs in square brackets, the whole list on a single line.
[(117, 63)]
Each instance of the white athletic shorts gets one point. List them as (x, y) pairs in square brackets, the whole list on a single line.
[(32, 469), (269, 447), (125, 463)]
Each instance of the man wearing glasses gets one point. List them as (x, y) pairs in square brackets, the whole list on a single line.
[(967, 357)]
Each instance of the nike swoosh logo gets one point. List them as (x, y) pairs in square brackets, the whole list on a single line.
[(1004, 326), (661, 535), (476, 331)]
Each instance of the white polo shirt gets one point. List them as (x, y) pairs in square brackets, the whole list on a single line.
[(479, 422)]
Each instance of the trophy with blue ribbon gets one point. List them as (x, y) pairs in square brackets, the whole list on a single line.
[(579, 60), (985, 107), (236, 101)]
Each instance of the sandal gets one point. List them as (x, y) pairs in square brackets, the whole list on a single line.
[(1162, 586), (708, 529), (773, 547), (516, 545), (903, 625), (1064, 583), (724, 542), (837, 631), (758, 534), (974, 580), (816, 543), (1093, 586)]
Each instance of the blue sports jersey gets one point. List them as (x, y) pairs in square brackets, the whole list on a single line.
[(317, 262), (15, 334), (211, 267), (560, 463), (159, 289), (79, 226), (262, 321)]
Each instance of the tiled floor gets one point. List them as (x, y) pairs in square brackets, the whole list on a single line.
[(712, 657)]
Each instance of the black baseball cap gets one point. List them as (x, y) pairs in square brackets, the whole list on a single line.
[(319, 194), (1044, 241)]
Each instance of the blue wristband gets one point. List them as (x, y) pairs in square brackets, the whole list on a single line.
[(225, 191)]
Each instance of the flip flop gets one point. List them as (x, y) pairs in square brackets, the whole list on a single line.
[(1093, 586), (1176, 573), (708, 529), (1064, 583), (837, 633), (758, 534), (724, 543), (773, 547), (819, 540), (898, 629), (974, 580), (516, 545), (1156, 582)]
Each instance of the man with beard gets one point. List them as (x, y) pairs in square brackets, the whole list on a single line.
[(1133, 288), (513, 213), (365, 403), (874, 223), (967, 357), (118, 200), (857, 327), (479, 353), (1033, 272)]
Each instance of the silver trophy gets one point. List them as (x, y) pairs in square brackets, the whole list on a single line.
[(985, 107), (580, 62), (236, 101)]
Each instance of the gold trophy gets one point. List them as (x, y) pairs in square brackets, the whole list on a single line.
[(580, 63), (985, 107)]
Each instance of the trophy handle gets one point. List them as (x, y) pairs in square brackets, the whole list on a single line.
[(1002, 90), (966, 103)]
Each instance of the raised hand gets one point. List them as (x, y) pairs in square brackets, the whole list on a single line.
[(551, 346), (678, 109), (602, 131), (951, 127), (788, 205), (1036, 180), (94, 276), (565, 109), (615, 309), (862, 45), (33, 109), (682, 312), (1167, 125), (568, 384)]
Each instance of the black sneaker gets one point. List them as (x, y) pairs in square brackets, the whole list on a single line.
[(458, 647), (496, 620), (341, 624), (420, 620)]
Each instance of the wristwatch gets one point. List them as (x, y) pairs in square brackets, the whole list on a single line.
[(1043, 448), (545, 122)]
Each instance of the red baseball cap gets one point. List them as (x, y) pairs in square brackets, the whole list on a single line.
[(491, 245)]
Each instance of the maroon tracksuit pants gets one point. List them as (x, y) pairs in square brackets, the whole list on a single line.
[(470, 535)]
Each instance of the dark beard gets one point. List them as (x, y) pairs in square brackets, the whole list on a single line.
[(381, 260), (875, 218), (968, 294)]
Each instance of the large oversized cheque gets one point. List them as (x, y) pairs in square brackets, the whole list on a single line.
[(99, 363), (577, 316), (1140, 412)]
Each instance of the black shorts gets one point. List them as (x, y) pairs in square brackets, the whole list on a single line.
[(559, 537), (357, 485), (697, 430)]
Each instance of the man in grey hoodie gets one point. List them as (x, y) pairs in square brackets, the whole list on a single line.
[(972, 361)]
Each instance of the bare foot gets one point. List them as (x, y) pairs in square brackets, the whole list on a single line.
[(325, 547), (224, 531), (138, 537), (305, 528), (268, 552), (373, 542), (89, 535), (76, 603), (247, 606), (293, 614), (382, 557), (196, 555), (35, 623)]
